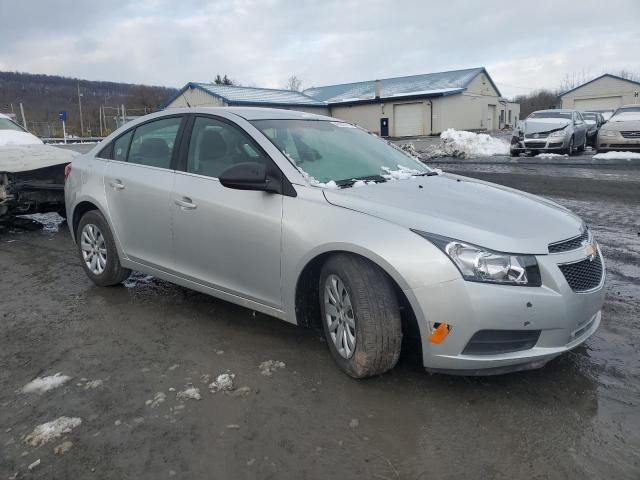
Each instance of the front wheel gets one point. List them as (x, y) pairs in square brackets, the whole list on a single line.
[(98, 252), (569, 150), (360, 316)]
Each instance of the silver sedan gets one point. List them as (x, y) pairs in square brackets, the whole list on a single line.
[(317, 222)]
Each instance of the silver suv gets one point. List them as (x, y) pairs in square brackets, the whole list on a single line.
[(314, 221)]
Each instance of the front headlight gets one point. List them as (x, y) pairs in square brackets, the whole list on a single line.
[(607, 133), (477, 264), (558, 133)]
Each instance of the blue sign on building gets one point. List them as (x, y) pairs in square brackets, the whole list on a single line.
[(62, 116)]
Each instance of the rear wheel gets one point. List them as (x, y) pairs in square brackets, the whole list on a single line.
[(360, 316), (98, 252)]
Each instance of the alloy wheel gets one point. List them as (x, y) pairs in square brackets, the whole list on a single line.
[(94, 249), (339, 316)]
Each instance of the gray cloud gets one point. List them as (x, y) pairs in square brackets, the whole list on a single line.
[(263, 42)]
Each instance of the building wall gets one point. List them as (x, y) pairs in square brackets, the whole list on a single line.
[(602, 89)]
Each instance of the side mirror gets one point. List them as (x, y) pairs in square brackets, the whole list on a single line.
[(249, 176)]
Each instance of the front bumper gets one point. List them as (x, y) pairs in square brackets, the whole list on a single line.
[(549, 144), (564, 318), (618, 142)]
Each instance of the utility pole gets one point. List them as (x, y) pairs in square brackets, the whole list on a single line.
[(80, 108), (24, 120), (100, 115), (123, 115)]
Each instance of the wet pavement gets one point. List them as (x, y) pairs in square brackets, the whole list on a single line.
[(579, 417)]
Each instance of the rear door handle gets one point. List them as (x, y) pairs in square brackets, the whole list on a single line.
[(116, 185), (185, 203)]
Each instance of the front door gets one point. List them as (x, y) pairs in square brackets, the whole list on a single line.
[(224, 238), (491, 115), (384, 127), (139, 186)]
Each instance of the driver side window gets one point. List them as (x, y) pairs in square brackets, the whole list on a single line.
[(216, 146)]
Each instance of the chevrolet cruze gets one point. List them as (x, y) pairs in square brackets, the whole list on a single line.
[(318, 222)]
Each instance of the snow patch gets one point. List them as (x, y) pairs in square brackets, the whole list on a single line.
[(158, 398), (49, 221), (14, 137), (138, 279), (223, 382), (44, 384), (63, 448), (617, 156), (189, 393), (462, 144), (316, 183), (268, 367), (402, 173), (50, 430), (550, 155)]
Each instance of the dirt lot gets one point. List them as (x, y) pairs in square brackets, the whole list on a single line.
[(132, 349)]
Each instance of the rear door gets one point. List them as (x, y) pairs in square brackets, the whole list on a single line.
[(224, 238), (139, 185)]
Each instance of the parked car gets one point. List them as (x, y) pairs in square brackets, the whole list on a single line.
[(622, 131), (606, 113), (594, 121), (551, 131), (31, 173), (310, 219)]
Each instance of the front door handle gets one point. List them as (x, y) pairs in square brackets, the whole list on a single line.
[(116, 185), (185, 203)]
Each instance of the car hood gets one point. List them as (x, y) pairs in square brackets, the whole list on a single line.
[(544, 125), (13, 137), (618, 125), (485, 214)]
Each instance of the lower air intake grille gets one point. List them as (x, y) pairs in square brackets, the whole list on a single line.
[(584, 275), (493, 342)]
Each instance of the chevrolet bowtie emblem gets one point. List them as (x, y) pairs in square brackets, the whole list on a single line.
[(591, 250)]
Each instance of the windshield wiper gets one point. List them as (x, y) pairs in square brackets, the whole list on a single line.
[(430, 173), (348, 182)]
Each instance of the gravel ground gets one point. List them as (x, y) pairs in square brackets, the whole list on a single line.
[(136, 354)]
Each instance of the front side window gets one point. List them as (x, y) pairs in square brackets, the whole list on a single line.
[(551, 114), (336, 151), (216, 146), (121, 146), (153, 143)]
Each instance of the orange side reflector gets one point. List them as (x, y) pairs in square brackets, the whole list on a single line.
[(439, 334)]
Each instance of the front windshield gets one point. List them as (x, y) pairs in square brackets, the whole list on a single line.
[(626, 113), (336, 151), (589, 116), (7, 124), (565, 115)]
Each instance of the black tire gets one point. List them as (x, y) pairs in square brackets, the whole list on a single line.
[(514, 153), (113, 273), (583, 147), (375, 309), (569, 149)]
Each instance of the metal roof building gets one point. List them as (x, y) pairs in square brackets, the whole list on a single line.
[(402, 106), (606, 92)]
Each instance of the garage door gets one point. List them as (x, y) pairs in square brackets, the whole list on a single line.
[(603, 103), (408, 119)]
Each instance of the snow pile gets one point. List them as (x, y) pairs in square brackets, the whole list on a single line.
[(461, 144), (550, 155), (222, 383), (44, 384), (49, 221), (50, 430), (410, 149), (402, 173), (363, 183), (14, 137), (189, 393), (317, 183), (617, 156), (270, 366)]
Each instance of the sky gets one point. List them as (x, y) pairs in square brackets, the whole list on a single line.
[(524, 45)]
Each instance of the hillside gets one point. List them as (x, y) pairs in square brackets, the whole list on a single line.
[(43, 96)]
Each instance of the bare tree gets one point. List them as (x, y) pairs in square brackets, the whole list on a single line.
[(294, 83), (573, 80), (633, 76)]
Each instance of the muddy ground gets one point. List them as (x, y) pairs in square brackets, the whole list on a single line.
[(579, 417)]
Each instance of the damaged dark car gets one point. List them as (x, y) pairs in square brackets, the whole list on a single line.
[(31, 173), (550, 131)]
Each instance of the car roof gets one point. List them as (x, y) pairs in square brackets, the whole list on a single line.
[(556, 110), (256, 113)]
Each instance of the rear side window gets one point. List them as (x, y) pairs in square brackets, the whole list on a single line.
[(153, 143), (120, 147)]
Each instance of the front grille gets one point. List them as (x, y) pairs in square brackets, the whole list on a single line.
[(631, 134), (584, 275), (535, 144), (536, 135), (553, 145), (568, 245), (493, 342), (625, 146)]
